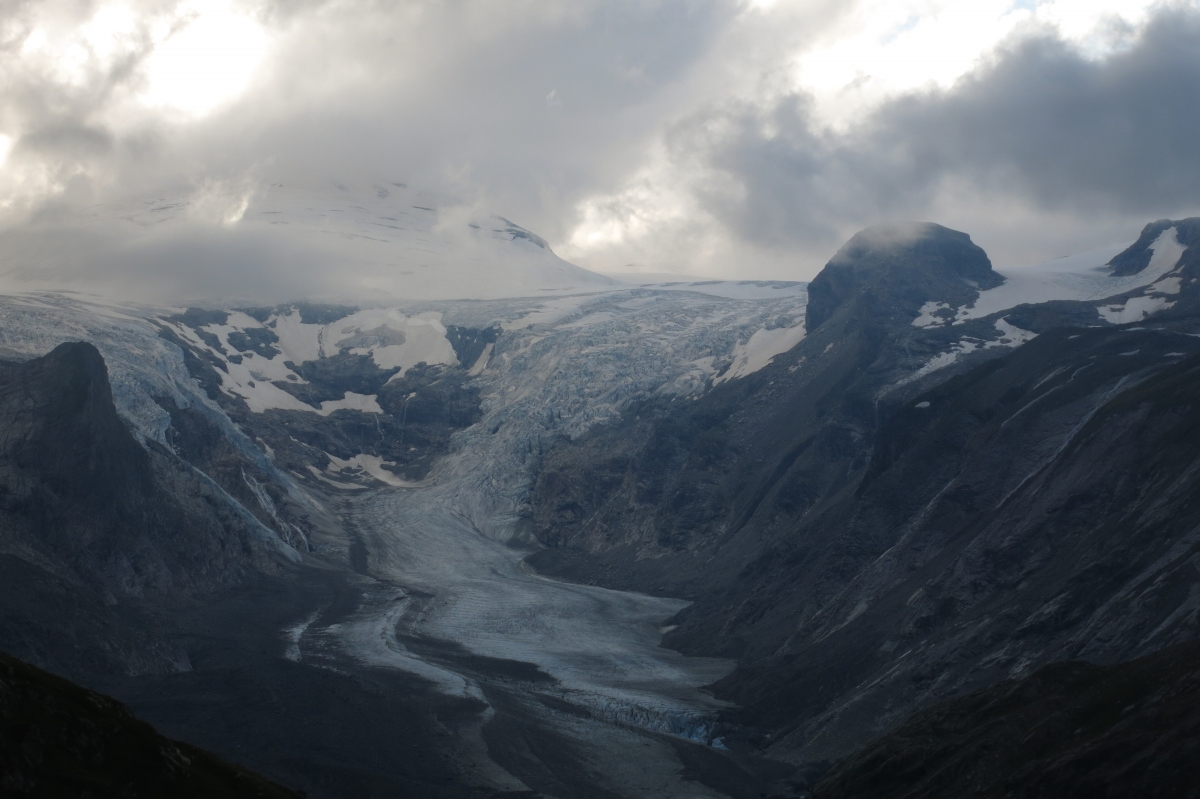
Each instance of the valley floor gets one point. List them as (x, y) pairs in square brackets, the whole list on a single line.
[(413, 652)]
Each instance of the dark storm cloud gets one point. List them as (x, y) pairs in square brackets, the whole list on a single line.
[(1040, 125)]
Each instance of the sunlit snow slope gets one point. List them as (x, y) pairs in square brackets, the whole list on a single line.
[(364, 244)]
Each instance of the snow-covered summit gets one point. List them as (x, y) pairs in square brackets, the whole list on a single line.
[(375, 243)]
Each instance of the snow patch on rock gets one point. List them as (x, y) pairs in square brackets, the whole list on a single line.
[(1077, 277), (1010, 335), (392, 339), (299, 342), (1168, 285), (929, 315), (760, 349), (371, 465), (1135, 309), (367, 403)]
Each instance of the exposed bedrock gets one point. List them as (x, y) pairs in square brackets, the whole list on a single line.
[(895, 269), (346, 403), (661, 492), (92, 522), (1137, 257), (866, 539)]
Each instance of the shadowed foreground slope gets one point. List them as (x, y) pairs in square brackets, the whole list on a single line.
[(57, 739), (1069, 730)]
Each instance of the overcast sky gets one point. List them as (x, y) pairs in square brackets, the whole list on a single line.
[(711, 137)]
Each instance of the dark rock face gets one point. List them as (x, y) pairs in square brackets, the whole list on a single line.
[(74, 629), (866, 543), (1011, 522), (421, 411), (469, 342), (1137, 256), (80, 489), (330, 378), (201, 442), (90, 519), (895, 269), (57, 739), (260, 340), (62, 435), (652, 500), (1069, 730), (196, 437)]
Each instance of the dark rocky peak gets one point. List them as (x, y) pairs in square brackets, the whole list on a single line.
[(898, 268), (60, 427), (1137, 256), (103, 509)]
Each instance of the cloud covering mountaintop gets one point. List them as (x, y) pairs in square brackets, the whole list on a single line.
[(725, 138)]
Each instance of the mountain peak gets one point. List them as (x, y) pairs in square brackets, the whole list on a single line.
[(1137, 256), (904, 265)]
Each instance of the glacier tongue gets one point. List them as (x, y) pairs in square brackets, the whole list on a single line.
[(455, 545)]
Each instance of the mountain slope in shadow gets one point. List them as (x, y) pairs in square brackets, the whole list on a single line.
[(1070, 730), (869, 537), (94, 524), (60, 740)]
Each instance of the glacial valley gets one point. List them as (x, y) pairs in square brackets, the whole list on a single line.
[(671, 539)]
